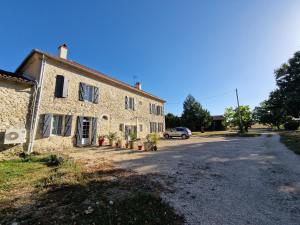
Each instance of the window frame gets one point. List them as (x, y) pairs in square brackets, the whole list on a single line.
[(130, 103), (62, 121)]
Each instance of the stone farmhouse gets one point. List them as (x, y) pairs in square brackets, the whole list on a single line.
[(60, 104)]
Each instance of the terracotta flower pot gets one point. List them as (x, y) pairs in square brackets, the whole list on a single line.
[(100, 141)]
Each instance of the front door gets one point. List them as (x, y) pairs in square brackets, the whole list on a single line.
[(86, 131)]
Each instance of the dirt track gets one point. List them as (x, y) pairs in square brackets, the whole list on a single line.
[(223, 180)]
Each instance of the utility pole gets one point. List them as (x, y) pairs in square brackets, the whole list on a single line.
[(239, 111)]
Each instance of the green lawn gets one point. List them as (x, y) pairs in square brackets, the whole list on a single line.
[(292, 140), (42, 190)]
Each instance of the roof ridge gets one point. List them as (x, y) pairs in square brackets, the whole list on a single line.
[(90, 70)]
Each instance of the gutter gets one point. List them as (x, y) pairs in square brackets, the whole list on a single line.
[(36, 106)]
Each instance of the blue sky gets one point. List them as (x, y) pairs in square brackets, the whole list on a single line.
[(175, 48)]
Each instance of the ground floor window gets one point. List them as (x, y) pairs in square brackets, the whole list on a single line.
[(130, 129), (160, 127), (153, 127), (57, 123), (156, 127)]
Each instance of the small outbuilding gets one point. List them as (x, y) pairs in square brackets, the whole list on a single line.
[(15, 98), (217, 123)]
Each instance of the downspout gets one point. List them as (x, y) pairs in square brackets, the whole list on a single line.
[(36, 106)]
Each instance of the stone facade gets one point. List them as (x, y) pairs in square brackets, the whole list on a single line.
[(110, 110), (15, 109)]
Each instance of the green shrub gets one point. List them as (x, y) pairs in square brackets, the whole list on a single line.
[(153, 138), (291, 125), (54, 160), (112, 136)]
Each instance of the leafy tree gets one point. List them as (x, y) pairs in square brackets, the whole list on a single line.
[(229, 117), (232, 117), (172, 120), (194, 116), (270, 112), (288, 82)]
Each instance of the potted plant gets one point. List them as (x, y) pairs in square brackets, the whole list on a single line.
[(112, 136), (140, 146), (101, 140), (151, 143), (133, 139)]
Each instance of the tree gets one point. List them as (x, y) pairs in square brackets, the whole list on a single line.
[(232, 117), (270, 112), (194, 116), (288, 82), (172, 120)]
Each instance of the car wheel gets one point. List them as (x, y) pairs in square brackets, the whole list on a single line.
[(183, 136), (167, 136)]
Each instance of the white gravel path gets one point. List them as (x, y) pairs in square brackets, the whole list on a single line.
[(218, 180), (228, 180)]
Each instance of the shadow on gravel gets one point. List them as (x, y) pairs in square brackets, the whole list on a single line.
[(104, 197)]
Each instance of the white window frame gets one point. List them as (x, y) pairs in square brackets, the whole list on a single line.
[(130, 103), (88, 93), (62, 125)]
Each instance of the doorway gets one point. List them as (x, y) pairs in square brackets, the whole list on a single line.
[(86, 131)]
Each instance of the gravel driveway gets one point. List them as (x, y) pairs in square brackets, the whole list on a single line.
[(224, 180)]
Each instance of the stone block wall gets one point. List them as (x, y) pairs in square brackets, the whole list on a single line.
[(14, 109), (111, 105)]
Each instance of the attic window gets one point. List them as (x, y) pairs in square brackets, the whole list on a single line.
[(105, 117)]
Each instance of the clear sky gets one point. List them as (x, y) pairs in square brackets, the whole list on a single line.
[(174, 48)]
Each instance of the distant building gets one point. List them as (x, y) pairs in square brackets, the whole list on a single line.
[(217, 123)]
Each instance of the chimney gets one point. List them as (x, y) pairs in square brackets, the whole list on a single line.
[(63, 51), (138, 85)]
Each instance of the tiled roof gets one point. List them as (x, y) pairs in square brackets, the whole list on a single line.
[(218, 117), (5, 75), (90, 72)]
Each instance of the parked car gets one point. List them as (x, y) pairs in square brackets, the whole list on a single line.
[(182, 132)]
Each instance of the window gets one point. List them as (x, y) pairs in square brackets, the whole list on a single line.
[(61, 87), (153, 127), (129, 103), (57, 122), (126, 102), (179, 129), (153, 109), (158, 110), (88, 93), (130, 129), (160, 127), (141, 127)]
